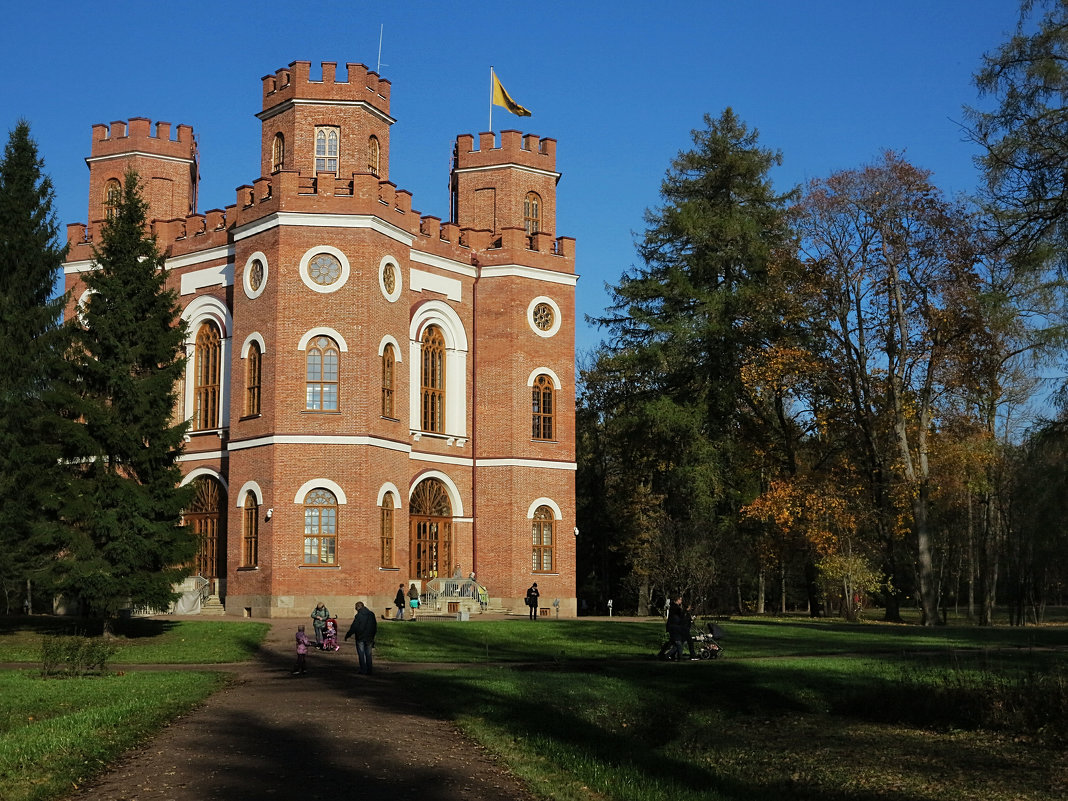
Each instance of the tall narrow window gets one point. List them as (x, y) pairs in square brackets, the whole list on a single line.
[(250, 535), (206, 367), (532, 213), (112, 196), (388, 557), (433, 380), (542, 408), (388, 373), (253, 365), (373, 155), (322, 375), (320, 528), (278, 153), (326, 149), (543, 530)]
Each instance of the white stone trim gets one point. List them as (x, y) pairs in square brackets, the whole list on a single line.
[(544, 371), (256, 337), (247, 487), (544, 502), (311, 253), (390, 340), (320, 483), (389, 488), (449, 287), (201, 472), (455, 500), (557, 317), (323, 331), (251, 293), (393, 296)]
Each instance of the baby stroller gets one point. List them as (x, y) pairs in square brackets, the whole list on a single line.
[(706, 645), (330, 635)]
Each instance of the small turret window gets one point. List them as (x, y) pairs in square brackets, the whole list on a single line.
[(327, 143), (373, 155), (278, 153), (532, 212), (112, 196)]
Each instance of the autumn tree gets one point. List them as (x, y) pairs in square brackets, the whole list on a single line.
[(33, 343), (898, 299), (128, 545), (1024, 136)]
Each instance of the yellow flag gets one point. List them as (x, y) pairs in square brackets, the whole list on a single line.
[(502, 98)]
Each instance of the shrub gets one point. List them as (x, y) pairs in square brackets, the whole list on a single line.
[(74, 655)]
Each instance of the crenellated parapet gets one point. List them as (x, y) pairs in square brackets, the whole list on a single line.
[(138, 135), (515, 148), (294, 82)]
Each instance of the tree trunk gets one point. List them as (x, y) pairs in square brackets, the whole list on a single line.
[(760, 592)]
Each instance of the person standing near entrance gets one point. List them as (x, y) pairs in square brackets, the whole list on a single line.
[(400, 602), (319, 616), (364, 628), (532, 600), (413, 599)]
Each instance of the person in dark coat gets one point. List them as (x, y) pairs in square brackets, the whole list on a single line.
[(532, 600), (364, 628), (400, 601), (678, 628)]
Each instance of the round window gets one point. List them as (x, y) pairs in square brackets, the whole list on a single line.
[(255, 275), (543, 316), (324, 269)]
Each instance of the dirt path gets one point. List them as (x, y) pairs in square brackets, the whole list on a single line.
[(332, 734)]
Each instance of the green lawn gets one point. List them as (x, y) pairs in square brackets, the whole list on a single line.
[(580, 709)]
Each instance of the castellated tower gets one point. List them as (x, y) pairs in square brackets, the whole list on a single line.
[(376, 397), (167, 167)]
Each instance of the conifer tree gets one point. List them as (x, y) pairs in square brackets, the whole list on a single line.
[(32, 353), (683, 325), (128, 546)]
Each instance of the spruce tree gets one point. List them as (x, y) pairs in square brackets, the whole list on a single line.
[(129, 547), (31, 352)]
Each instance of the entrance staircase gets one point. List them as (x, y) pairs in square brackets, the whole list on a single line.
[(212, 606)]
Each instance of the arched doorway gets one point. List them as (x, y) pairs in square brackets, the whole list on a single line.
[(205, 516), (430, 542)]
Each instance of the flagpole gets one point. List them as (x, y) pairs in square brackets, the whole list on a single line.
[(491, 100)]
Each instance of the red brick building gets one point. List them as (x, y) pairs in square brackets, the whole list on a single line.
[(376, 397)]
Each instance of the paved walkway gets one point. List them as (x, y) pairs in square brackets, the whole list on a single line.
[(332, 734)]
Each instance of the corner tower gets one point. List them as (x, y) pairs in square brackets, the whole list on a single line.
[(511, 186), (167, 168), (341, 127)]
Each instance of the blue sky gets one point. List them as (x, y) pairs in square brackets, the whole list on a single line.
[(618, 84)]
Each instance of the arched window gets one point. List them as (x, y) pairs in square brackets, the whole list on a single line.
[(253, 365), (389, 363), (250, 535), (206, 371), (542, 408), (320, 528), (532, 212), (322, 375), (278, 153), (433, 380), (373, 155), (112, 196), (326, 149), (543, 530), (206, 518), (386, 531), (430, 534)]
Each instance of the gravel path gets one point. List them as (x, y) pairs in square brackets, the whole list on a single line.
[(332, 734)]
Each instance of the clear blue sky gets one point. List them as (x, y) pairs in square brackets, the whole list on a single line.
[(619, 85)]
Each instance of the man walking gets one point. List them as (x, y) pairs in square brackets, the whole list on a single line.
[(364, 628), (400, 602)]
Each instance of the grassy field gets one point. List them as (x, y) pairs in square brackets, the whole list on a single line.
[(580, 709)]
